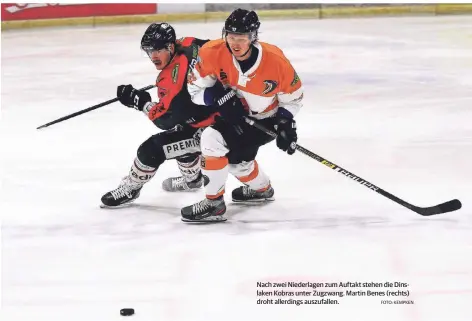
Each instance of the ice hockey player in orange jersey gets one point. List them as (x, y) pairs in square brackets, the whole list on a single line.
[(242, 77)]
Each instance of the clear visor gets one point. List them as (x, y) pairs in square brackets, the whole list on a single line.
[(148, 51), (239, 37)]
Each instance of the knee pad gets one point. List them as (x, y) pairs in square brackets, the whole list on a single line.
[(150, 153), (188, 158), (212, 143)]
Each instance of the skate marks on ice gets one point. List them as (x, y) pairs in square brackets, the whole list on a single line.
[(335, 221), (136, 207), (144, 220), (269, 216), (135, 221)]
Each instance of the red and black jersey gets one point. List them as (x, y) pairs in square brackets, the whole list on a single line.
[(175, 105)]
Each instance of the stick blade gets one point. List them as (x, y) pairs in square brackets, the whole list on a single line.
[(449, 206)]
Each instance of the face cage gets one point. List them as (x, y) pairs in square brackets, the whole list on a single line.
[(149, 49), (252, 34)]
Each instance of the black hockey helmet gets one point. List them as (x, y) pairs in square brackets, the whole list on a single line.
[(158, 36), (243, 22)]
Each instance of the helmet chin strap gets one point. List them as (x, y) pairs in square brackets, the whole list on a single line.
[(171, 56), (248, 49), (229, 48)]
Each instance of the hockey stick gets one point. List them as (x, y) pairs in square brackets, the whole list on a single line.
[(87, 109), (449, 206)]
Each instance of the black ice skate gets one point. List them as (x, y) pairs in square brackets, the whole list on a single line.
[(180, 184), (244, 194), (126, 193), (204, 211)]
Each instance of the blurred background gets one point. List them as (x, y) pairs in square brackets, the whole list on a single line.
[(24, 15)]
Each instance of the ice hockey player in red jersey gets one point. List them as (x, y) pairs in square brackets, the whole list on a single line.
[(260, 83), (174, 112)]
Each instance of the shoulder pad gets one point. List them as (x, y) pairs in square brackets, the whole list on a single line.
[(185, 41), (214, 44)]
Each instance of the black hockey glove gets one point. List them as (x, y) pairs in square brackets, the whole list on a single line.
[(286, 128), (231, 108), (228, 105), (131, 97), (232, 112)]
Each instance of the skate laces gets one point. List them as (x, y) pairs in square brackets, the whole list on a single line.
[(121, 191), (125, 189), (179, 182), (201, 206)]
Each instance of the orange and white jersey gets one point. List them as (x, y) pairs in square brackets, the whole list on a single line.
[(269, 84)]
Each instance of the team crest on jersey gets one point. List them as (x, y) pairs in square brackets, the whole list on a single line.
[(175, 73), (270, 85)]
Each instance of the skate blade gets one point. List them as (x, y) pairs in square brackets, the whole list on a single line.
[(115, 207), (255, 201), (207, 220), (191, 190)]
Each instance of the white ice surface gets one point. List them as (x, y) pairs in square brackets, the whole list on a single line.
[(388, 99)]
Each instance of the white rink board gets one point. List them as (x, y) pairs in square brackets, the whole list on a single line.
[(388, 99), (180, 7)]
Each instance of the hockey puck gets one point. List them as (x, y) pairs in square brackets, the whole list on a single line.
[(126, 312)]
